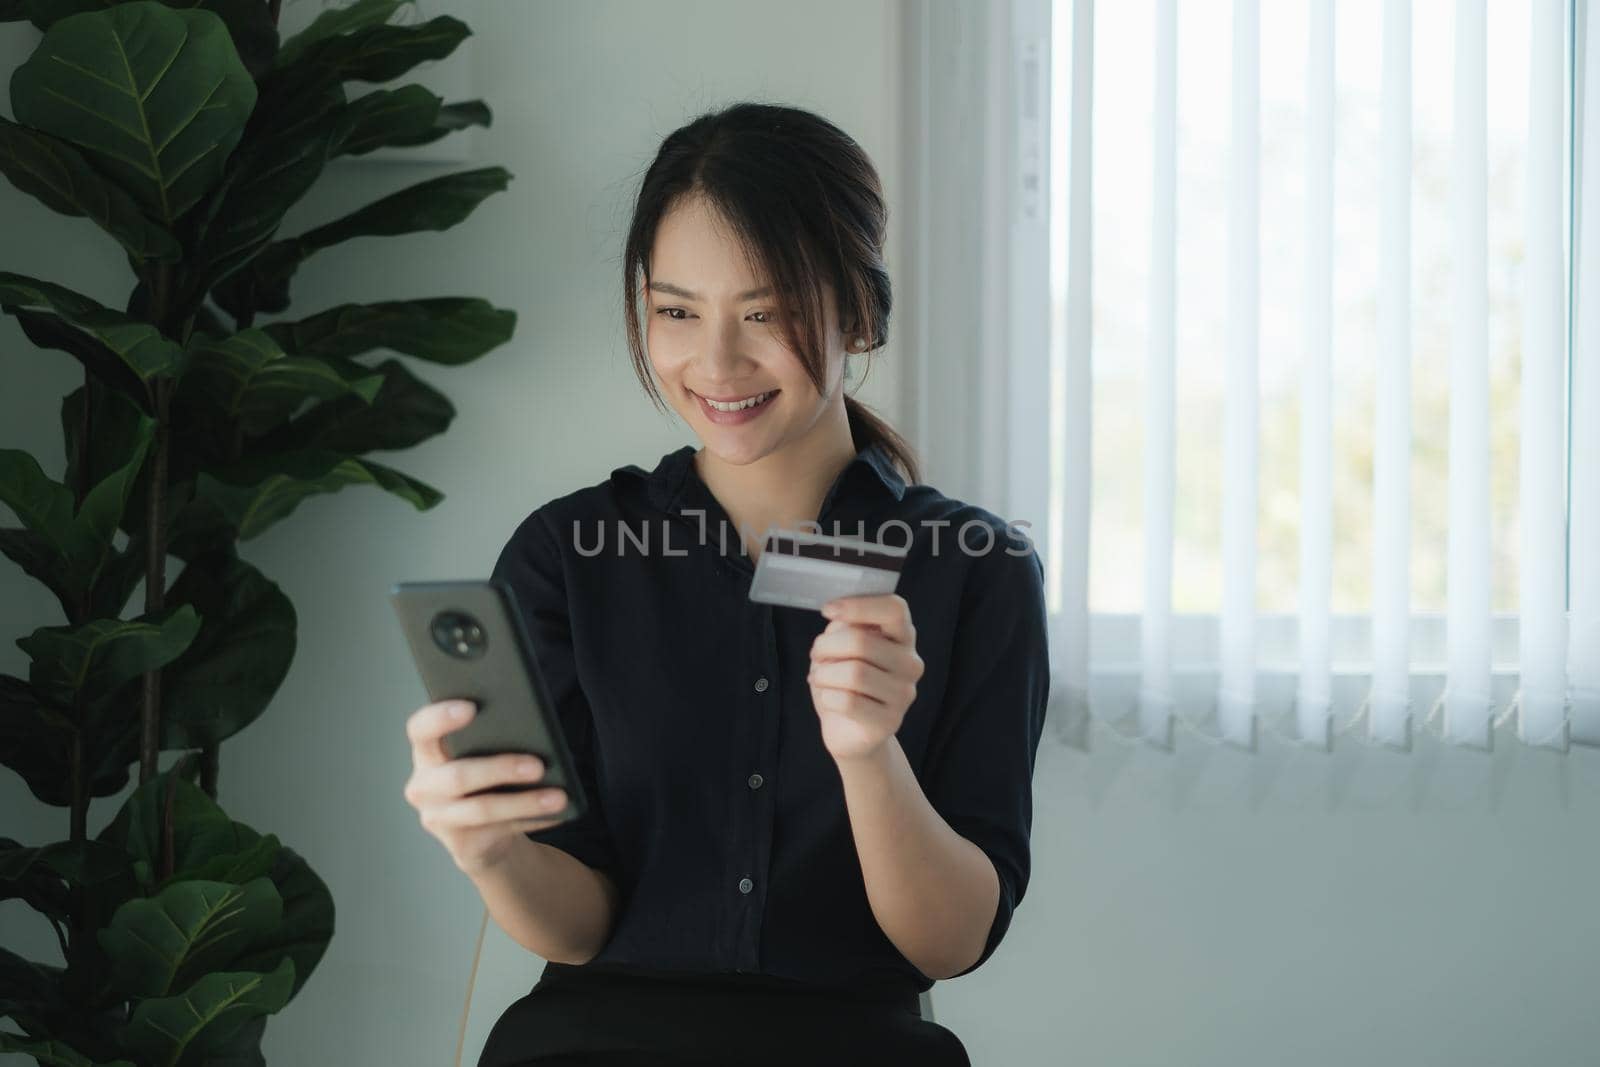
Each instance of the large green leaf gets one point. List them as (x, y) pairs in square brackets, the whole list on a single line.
[(261, 285), (452, 117), (165, 1031), (84, 694), (90, 661), (50, 1052), (227, 677), (164, 943), (257, 860), (376, 53), (389, 116), (25, 985), (198, 528), (204, 841), (158, 97), (201, 830), (449, 330), (436, 204), (252, 383), (116, 432), (39, 559), (36, 741), (121, 575), (289, 140), (42, 504), (207, 844), (34, 884), (337, 21), (70, 548), (259, 491), (30, 993), (406, 412), (308, 920), (104, 365), (43, 875), (55, 173), (114, 460), (243, 1049), (137, 344), (250, 25)]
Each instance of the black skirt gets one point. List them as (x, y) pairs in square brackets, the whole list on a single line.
[(592, 1015)]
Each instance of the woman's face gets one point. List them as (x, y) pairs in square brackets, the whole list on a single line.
[(712, 334)]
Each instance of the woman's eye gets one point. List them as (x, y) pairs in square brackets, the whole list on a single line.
[(770, 320)]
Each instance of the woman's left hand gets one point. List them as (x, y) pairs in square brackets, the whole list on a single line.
[(864, 671)]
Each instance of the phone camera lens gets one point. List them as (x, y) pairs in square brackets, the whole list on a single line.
[(459, 635)]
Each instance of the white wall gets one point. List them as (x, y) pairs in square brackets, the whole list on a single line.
[(1212, 907)]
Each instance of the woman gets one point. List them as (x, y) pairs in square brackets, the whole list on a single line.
[(796, 822)]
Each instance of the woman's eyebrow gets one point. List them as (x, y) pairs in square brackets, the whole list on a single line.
[(682, 293)]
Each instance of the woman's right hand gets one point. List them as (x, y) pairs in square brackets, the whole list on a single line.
[(476, 830)]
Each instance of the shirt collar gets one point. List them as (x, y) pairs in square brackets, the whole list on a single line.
[(666, 484)]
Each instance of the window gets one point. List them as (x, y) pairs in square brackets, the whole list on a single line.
[(1124, 35)]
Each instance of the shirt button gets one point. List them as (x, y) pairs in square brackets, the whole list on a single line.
[(755, 781), (761, 684), (745, 885)]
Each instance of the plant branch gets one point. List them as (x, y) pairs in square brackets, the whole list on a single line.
[(78, 785), (61, 939), (168, 860), (210, 765), (155, 583)]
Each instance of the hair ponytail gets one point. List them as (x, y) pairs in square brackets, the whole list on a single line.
[(867, 428)]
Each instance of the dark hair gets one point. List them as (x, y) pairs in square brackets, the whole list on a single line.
[(805, 204)]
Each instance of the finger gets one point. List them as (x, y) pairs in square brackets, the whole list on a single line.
[(887, 611), (431, 722), (456, 778), (496, 807), (848, 641), (855, 676)]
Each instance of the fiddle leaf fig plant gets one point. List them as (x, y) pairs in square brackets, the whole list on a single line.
[(185, 130)]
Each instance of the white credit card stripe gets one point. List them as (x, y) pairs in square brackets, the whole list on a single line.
[(836, 552)]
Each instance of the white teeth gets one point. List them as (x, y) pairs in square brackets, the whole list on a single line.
[(738, 405)]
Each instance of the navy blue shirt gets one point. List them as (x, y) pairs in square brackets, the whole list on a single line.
[(714, 805)]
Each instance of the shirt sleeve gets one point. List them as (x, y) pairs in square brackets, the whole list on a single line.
[(530, 564), (981, 755)]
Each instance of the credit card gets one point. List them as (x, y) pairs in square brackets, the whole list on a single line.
[(801, 569)]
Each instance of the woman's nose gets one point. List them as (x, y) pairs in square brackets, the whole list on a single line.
[(722, 352)]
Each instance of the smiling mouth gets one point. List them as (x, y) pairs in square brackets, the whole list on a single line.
[(742, 404)]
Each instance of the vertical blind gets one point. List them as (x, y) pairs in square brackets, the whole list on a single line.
[(1583, 534), (1042, 355)]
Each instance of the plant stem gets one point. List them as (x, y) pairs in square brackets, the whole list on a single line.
[(168, 858), (155, 567), (272, 9), (155, 585), (210, 762), (79, 783)]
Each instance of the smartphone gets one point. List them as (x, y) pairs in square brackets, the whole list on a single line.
[(469, 643)]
